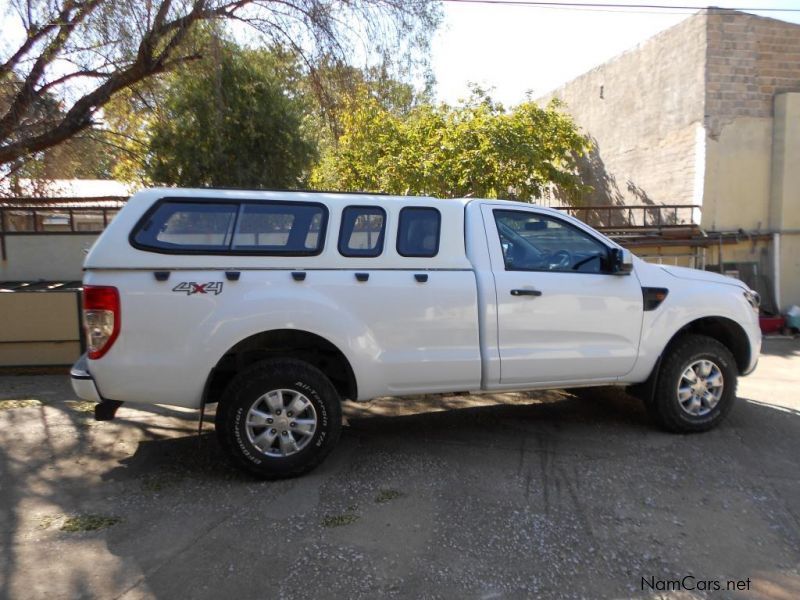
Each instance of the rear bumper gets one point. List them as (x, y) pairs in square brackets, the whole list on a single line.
[(82, 381)]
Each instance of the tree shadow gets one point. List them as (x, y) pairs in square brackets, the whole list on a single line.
[(603, 189)]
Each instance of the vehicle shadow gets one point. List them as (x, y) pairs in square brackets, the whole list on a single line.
[(786, 347), (448, 419)]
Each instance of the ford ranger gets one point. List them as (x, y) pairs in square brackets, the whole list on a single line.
[(278, 306)]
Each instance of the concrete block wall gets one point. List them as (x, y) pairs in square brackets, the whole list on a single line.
[(749, 60)]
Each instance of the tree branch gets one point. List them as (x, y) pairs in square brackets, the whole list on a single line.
[(79, 117), (28, 93), (123, 53), (68, 76), (33, 37)]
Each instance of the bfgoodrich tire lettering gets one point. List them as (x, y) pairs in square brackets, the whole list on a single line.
[(252, 424), (675, 410)]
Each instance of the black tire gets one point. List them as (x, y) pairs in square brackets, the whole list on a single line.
[(246, 391), (665, 406)]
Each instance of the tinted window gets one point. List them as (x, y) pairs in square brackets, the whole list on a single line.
[(182, 225), (233, 227), (418, 232), (534, 242), (362, 231), (280, 228)]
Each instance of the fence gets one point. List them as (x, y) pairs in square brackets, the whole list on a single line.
[(59, 216), (636, 216), (46, 238), (41, 324)]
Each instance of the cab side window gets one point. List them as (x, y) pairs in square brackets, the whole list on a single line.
[(362, 231), (534, 242), (418, 231)]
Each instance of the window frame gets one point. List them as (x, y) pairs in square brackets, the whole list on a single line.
[(438, 231), (369, 253), (229, 250), (604, 260)]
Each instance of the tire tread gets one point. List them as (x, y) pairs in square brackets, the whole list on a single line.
[(286, 367), (663, 408)]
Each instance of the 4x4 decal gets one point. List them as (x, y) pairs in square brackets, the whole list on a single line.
[(190, 287)]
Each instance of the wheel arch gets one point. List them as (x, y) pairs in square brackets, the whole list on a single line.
[(726, 331), (283, 343)]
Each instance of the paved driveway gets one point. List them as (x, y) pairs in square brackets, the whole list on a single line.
[(515, 496)]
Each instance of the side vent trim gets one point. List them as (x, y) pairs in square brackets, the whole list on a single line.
[(653, 297)]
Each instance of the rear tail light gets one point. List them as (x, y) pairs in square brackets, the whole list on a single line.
[(100, 318)]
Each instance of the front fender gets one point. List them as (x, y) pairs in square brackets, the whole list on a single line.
[(687, 302)]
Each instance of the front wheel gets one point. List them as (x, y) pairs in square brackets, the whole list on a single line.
[(279, 418), (696, 385)]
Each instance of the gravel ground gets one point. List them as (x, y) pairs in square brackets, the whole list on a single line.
[(507, 496)]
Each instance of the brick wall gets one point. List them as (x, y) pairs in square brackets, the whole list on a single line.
[(749, 59)]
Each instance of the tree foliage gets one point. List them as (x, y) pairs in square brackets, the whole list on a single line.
[(83, 52), (336, 87), (230, 121), (85, 156), (477, 148)]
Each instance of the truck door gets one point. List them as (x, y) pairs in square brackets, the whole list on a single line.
[(562, 315)]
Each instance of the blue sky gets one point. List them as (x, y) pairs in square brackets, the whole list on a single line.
[(514, 49)]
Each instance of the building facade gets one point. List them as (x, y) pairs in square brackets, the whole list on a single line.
[(706, 113)]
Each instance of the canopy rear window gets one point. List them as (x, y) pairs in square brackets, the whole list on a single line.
[(179, 226)]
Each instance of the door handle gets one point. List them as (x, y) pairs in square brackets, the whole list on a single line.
[(526, 293)]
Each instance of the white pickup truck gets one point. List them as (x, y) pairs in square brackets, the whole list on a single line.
[(279, 305)]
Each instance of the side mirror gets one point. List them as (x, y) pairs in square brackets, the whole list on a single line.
[(621, 261)]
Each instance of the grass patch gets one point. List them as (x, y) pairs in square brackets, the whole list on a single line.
[(156, 482), (339, 520), (82, 406), (22, 403), (89, 523), (387, 496), (47, 520)]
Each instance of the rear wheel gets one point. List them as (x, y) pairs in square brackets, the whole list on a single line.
[(279, 418), (696, 385)]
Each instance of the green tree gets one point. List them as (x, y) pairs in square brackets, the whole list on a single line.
[(86, 51), (87, 155), (230, 121), (335, 87), (477, 148)]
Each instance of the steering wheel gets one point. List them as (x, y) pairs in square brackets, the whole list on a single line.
[(561, 259)]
